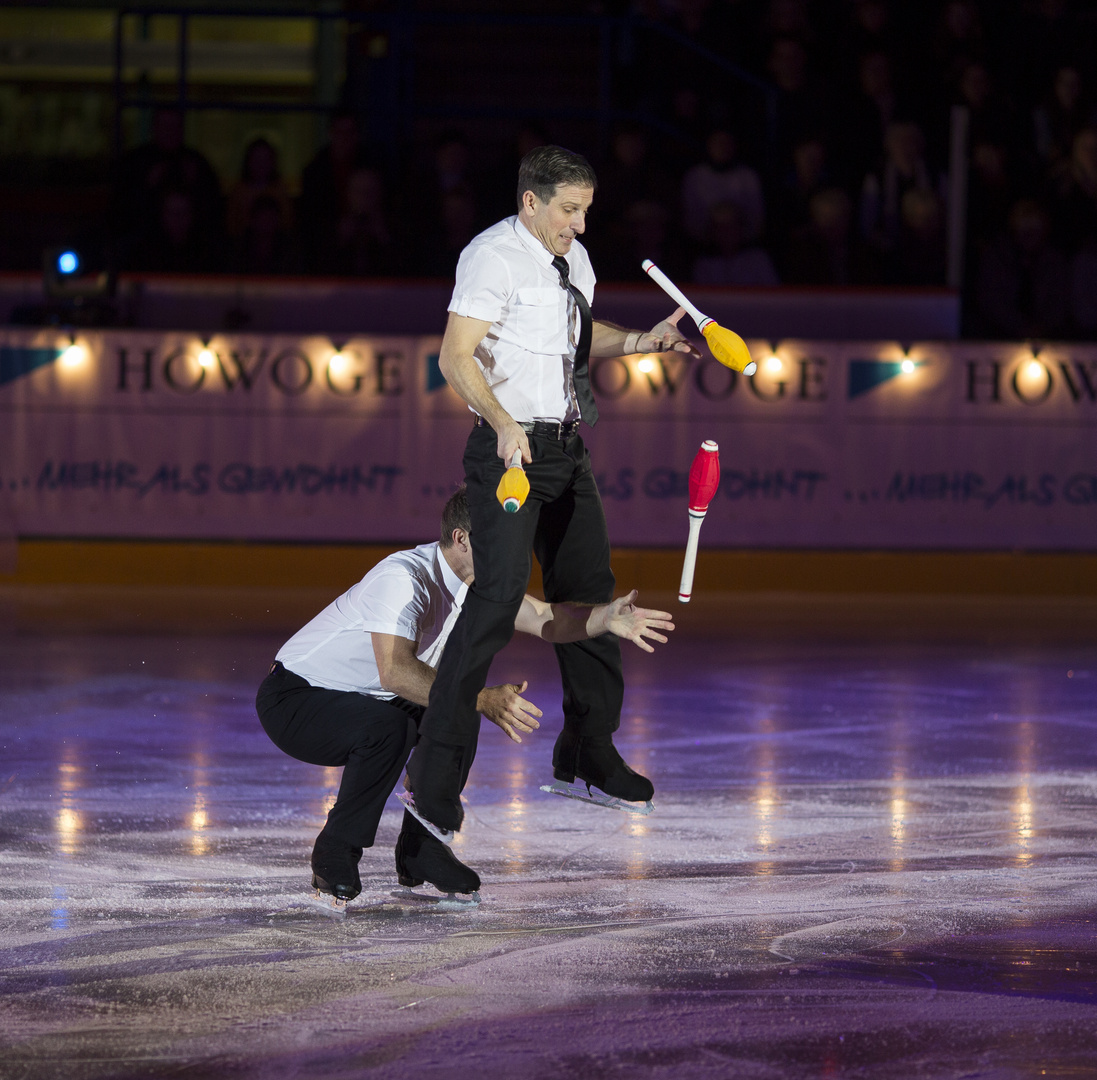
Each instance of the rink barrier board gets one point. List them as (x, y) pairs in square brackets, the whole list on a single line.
[(277, 439), (337, 566)]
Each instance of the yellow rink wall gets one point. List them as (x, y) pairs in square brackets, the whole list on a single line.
[(337, 566)]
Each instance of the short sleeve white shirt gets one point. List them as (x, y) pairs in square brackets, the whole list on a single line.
[(411, 594), (505, 276)]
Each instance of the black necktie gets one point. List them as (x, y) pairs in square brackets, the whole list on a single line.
[(588, 410)]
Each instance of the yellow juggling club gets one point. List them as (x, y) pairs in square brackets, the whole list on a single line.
[(726, 345), (513, 487)]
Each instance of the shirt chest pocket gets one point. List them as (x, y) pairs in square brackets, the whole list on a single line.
[(540, 320)]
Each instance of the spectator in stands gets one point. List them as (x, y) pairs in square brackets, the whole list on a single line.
[(802, 103), (632, 172), (364, 245), (734, 262), (686, 111), (873, 107), (146, 175), (919, 255), (959, 40), (787, 19), (821, 251), (324, 183), (1037, 37), (451, 165), (266, 244), (259, 177), (458, 223), (1023, 281), (1062, 113), (448, 207), (904, 168), (871, 29), (1083, 279), (989, 116), (498, 185), (631, 178), (1074, 190), (720, 178), (810, 174), (991, 192), (180, 241)]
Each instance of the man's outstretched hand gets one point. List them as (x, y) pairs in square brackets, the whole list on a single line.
[(623, 618), (505, 707), (666, 337)]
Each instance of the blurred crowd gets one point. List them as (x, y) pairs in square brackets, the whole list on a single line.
[(835, 175)]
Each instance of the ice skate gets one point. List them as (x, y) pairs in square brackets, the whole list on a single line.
[(448, 902), (435, 776), (422, 858), (585, 793), (408, 799), (335, 869), (326, 900), (594, 761)]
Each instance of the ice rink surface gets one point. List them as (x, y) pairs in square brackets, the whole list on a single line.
[(872, 855)]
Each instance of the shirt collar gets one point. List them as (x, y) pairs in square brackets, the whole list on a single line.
[(452, 582), (539, 250)]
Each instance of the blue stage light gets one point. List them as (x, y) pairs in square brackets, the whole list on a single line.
[(68, 262)]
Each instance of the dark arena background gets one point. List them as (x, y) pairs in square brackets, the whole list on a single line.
[(228, 236)]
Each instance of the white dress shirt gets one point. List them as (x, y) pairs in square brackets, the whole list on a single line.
[(505, 276), (411, 594)]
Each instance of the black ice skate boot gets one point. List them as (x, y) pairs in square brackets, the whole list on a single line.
[(420, 857), (435, 777), (335, 868), (595, 760)]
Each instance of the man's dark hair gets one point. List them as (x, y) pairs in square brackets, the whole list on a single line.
[(455, 515), (544, 168)]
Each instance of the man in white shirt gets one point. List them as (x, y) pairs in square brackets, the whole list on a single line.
[(516, 348), (350, 687)]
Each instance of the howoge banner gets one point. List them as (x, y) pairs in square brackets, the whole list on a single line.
[(829, 445)]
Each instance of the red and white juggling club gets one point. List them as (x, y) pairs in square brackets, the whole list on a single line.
[(704, 479)]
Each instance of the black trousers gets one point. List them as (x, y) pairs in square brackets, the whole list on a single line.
[(370, 737), (563, 522)]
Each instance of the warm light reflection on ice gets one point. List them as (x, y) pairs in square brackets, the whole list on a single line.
[(1023, 803), (68, 821), (69, 826), (517, 781), (329, 785), (638, 859), (898, 818), (898, 808), (765, 799), (198, 822)]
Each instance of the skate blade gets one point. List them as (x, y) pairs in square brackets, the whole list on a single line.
[(597, 798), (327, 904), (408, 800), (445, 901)]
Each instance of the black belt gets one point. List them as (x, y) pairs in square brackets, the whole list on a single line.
[(550, 429)]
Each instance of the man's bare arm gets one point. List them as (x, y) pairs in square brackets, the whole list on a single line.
[(457, 362), (560, 623), (402, 672), (609, 339)]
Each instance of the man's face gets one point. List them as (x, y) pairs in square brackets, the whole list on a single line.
[(558, 222)]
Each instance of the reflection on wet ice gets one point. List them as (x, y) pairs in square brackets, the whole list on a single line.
[(915, 844)]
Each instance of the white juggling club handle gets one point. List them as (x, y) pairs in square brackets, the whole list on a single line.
[(675, 293), (724, 344)]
